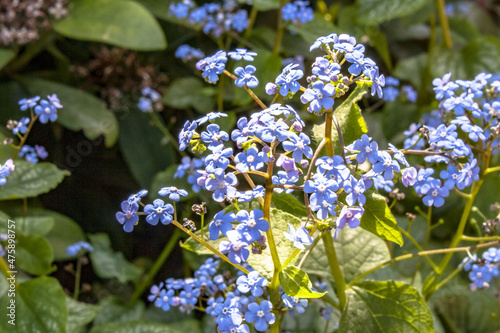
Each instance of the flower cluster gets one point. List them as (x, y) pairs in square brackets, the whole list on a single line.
[(148, 100), (5, 171), (391, 91), (213, 18), (482, 270), (297, 12), (186, 53), (234, 303)]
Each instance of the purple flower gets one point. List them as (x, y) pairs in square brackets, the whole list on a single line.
[(319, 96), (246, 77), (253, 283), (260, 314), (409, 176), (221, 223), (159, 211), (128, 217), (299, 237), (350, 216)]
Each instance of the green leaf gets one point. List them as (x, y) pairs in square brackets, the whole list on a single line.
[(135, 327), (40, 307), (262, 5), (351, 122), (113, 310), (485, 51), (296, 283), (288, 203), (159, 9), (412, 69), (5, 57), (379, 42), (65, 232), (190, 92), (34, 255), (385, 307), (376, 11), (81, 110), (110, 264), (80, 314), (117, 22), (144, 147), (30, 180), (357, 251), (279, 224), (315, 28), (379, 220), (29, 225)]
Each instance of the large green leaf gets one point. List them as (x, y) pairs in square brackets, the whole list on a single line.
[(388, 306), (144, 147), (118, 22), (110, 264), (136, 327), (296, 283), (80, 314), (31, 180), (376, 11), (81, 111), (352, 124), (34, 255), (289, 204), (115, 311), (357, 251), (190, 92), (29, 225), (40, 307), (378, 218), (279, 224), (159, 9), (6, 56)]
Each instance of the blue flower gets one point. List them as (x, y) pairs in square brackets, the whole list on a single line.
[(150, 93), (46, 111), (355, 189), (323, 40), (54, 100), (344, 43), (221, 223), (227, 313), (282, 178), (240, 20), (218, 159), (235, 247), (244, 130), (451, 176), (145, 104), (128, 217), (260, 314), (72, 250), (136, 198), (390, 94), (186, 52), (251, 224), (492, 254), (242, 54), (359, 62), (322, 189), (366, 149), (398, 155), (386, 165), (253, 283), (333, 168), (246, 77), (289, 11), (173, 193), (299, 144), (221, 184), (5, 171), (155, 292), (186, 134), (287, 80), (159, 211), (271, 130), (326, 70), (468, 174), (21, 126), (378, 81), (189, 295), (164, 299), (257, 192), (213, 66), (211, 116), (26, 103), (433, 193), (252, 159), (411, 94), (295, 302), (480, 276), (319, 96), (443, 87), (214, 136), (299, 237)]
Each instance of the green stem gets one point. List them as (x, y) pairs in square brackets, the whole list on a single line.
[(156, 266), (340, 284), (159, 124), (444, 23), (279, 31), (493, 169), (78, 274), (202, 224), (419, 248), (479, 239)]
